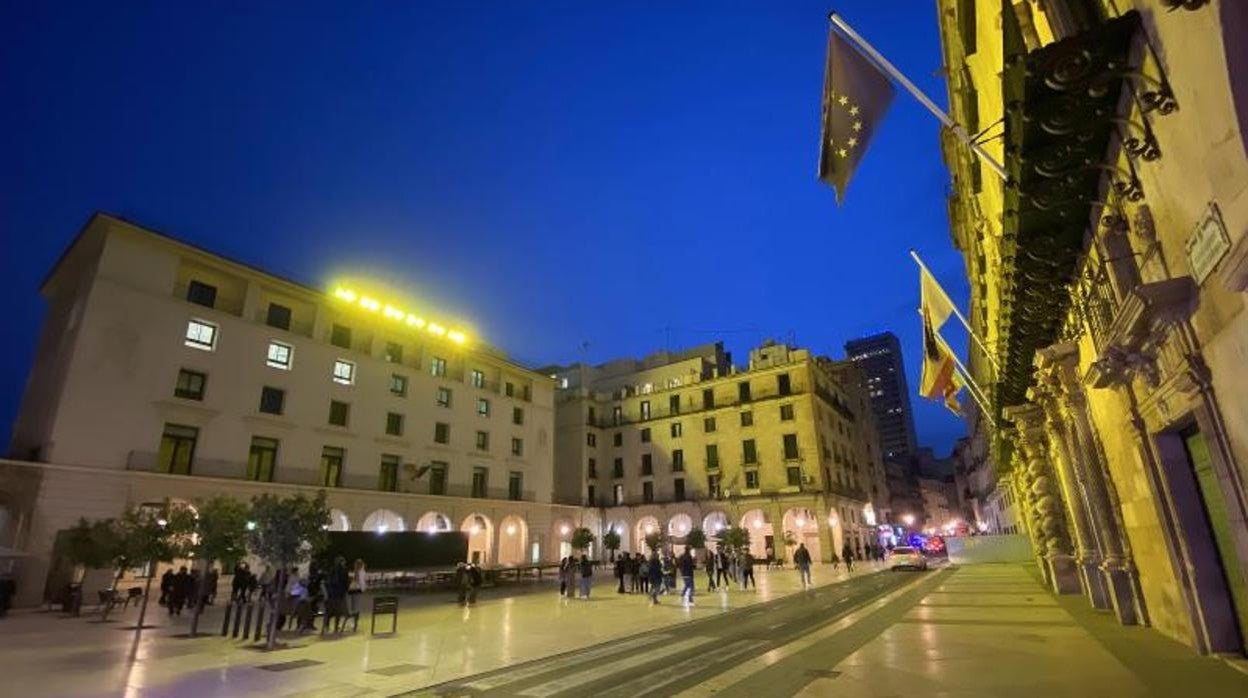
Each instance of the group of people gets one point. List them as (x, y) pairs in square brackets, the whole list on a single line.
[(187, 588), (468, 579), (575, 574), (657, 574)]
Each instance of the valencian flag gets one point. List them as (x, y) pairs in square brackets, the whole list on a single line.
[(855, 96), (940, 379)]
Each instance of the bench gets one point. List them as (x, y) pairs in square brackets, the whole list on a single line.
[(386, 605)]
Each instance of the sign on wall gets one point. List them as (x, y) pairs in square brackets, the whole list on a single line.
[(1207, 245)]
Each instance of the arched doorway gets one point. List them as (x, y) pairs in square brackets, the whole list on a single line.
[(338, 520), (836, 533), (677, 528), (434, 522), (512, 541), (801, 526), (480, 532), (620, 528), (645, 526), (383, 521), (561, 532), (714, 523), (762, 537)]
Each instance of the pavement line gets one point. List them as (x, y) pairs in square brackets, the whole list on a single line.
[(586, 676), (741, 672), (655, 680), (540, 667)]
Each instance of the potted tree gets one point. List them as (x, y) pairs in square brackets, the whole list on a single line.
[(734, 539), (611, 541), (147, 535), (89, 545), (696, 538), (284, 532), (582, 538), (655, 541), (220, 535)]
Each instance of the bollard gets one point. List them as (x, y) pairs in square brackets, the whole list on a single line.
[(259, 622), (247, 622), (238, 619), (225, 623)]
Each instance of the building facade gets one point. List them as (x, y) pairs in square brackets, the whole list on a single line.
[(785, 447), (1108, 273), (879, 357), (167, 371)]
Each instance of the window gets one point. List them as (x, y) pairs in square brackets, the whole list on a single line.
[(398, 385), (783, 384), (678, 460), (743, 391), (751, 479), (338, 413), (438, 366), (344, 372), (394, 352), (647, 492), (480, 481), (593, 417), (647, 464), (645, 435), (202, 294), (786, 413), (679, 484), (272, 400), (442, 433), (712, 485), (790, 446), (190, 385), (261, 459), (388, 478), (794, 476), (617, 415), (678, 429), (201, 335), (617, 468), (437, 478), (483, 407), (509, 389), (483, 440), (617, 439), (515, 486), (591, 440), (590, 496), (749, 452), (747, 419), (593, 468), (617, 495), (708, 425), (673, 404), (278, 316), (279, 355), (340, 336), (517, 415), (394, 424), (712, 456), (331, 466), (177, 449), (645, 409), (708, 398), (517, 446), (444, 397), (478, 379)]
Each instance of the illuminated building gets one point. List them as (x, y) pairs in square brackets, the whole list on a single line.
[(879, 356), (1108, 279)]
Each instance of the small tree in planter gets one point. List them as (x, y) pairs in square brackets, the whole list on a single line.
[(582, 538), (148, 535), (655, 541), (611, 541), (220, 534), (285, 532), (91, 545), (695, 538), (734, 539)]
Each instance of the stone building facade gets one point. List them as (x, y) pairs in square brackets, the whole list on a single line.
[(1109, 275)]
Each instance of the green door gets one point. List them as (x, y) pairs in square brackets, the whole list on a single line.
[(1219, 522)]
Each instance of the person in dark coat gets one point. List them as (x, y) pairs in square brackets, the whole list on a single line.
[(655, 577), (336, 583), (801, 560), (587, 573), (847, 554), (621, 568), (180, 591), (747, 571), (211, 578), (241, 583), (166, 587), (686, 567), (710, 570)]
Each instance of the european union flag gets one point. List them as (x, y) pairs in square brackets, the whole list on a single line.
[(855, 96)]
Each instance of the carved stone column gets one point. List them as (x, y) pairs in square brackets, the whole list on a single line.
[(1029, 423)]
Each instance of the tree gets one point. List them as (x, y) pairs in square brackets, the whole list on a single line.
[(285, 532), (582, 538), (655, 540), (89, 545), (220, 536), (611, 541), (147, 535), (734, 538), (695, 538)]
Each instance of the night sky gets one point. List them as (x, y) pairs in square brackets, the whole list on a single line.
[(576, 180)]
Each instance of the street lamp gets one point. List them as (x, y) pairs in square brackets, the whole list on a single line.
[(907, 519)]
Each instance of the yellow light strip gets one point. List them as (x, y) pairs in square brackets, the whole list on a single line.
[(394, 313)]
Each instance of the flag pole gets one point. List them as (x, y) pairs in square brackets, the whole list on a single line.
[(884, 64), (954, 306), (971, 386)]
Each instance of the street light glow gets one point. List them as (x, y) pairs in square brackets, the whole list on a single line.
[(397, 314)]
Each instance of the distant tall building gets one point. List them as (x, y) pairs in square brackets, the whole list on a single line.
[(879, 356)]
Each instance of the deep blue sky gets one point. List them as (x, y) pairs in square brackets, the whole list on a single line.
[(555, 173)]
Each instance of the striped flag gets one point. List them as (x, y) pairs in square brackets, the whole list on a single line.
[(940, 379)]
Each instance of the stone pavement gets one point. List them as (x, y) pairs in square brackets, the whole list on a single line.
[(437, 641)]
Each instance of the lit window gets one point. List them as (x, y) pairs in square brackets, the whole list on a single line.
[(280, 355), (438, 366), (517, 447), (478, 379), (398, 385), (444, 397), (344, 372), (201, 335), (483, 407)]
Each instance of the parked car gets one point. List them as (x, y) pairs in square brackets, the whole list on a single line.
[(905, 557)]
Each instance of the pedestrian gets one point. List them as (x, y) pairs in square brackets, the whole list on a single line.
[(709, 561), (643, 573), (621, 565), (238, 587), (563, 577), (836, 561), (847, 553), (722, 578), (801, 559), (669, 573), (587, 573), (211, 578), (686, 568), (475, 579), (634, 573), (356, 587), (266, 585), (180, 589), (747, 571), (166, 587), (301, 602), (655, 577), (336, 583)]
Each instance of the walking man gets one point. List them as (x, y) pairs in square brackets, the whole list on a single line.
[(621, 567), (747, 571), (721, 569), (655, 578), (847, 554), (710, 571), (587, 573), (686, 572), (801, 558)]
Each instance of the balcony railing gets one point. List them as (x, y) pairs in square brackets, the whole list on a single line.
[(658, 412)]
